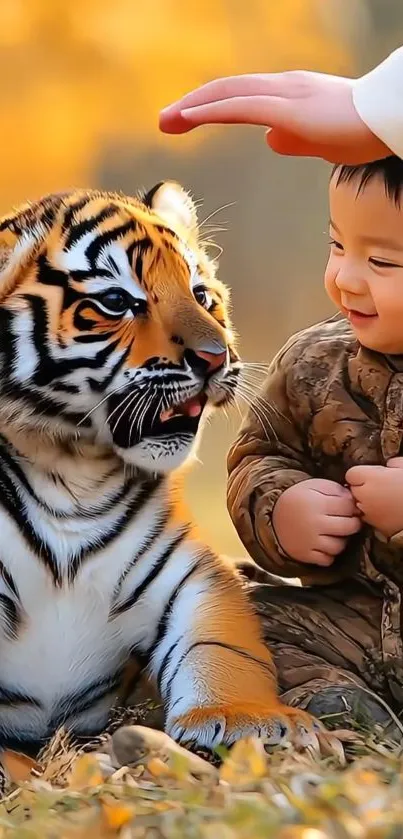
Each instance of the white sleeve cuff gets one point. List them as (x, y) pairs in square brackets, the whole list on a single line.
[(378, 99)]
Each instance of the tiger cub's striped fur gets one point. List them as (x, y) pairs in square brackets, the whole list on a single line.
[(115, 342)]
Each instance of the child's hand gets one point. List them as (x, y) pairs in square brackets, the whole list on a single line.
[(378, 492), (313, 520)]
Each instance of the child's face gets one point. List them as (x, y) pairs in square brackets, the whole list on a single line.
[(364, 274)]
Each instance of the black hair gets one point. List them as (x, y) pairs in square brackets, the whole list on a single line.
[(389, 170)]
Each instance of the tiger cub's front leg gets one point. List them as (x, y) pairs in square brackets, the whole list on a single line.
[(215, 674)]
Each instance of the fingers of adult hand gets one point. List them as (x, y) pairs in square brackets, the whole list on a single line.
[(284, 142), (342, 525), (229, 87), (172, 120), (287, 143), (251, 110), (340, 151)]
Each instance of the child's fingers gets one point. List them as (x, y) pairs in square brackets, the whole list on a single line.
[(395, 462), (341, 505), (331, 545), (320, 558), (359, 475), (342, 525)]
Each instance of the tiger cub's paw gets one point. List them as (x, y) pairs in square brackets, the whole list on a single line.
[(216, 725)]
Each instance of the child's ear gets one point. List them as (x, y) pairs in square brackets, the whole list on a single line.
[(174, 205)]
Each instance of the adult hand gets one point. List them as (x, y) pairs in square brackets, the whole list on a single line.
[(310, 114)]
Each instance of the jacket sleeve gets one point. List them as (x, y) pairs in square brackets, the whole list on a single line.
[(378, 99), (269, 455)]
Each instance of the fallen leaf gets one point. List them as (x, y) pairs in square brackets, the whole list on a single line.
[(247, 762), (301, 832), (85, 773), (116, 814), (18, 766), (331, 746), (163, 806), (158, 768)]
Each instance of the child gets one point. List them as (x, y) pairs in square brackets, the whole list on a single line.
[(318, 493)]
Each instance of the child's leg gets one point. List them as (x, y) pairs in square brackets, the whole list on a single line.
[(326, 643)]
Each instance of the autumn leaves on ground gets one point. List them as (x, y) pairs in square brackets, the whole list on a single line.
[(139, 784)]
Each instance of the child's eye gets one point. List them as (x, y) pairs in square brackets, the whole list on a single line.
[(382, 263), (335, 244)]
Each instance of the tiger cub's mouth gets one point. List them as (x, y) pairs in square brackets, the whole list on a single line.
[(192, 407), (132, 426), (180, 418)]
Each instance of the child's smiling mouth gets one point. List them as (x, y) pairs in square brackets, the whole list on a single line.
[(358, 318)]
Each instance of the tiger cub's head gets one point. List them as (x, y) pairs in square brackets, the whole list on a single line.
[(113, 326)]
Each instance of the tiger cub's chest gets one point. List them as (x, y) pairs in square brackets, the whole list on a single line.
[(68, 617)]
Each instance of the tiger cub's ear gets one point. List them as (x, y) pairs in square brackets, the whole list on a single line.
[(174, 205)]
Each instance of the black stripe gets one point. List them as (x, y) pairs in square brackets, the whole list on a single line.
[(138, 267), (105, 238), (72, 209), (158, 528), (8, 344), (50, 276), (232, 648), (146, 196), (43, 405), (100, 542), (5, 574), (165, 661), (167, 613), (11, 697), (48, 369), (64, 387), (92, 338), (139, 248), (80, 701), (81, 274), (153, 573), (18, 474), (11, 617), (8, 462), (78, 230), (103, 384), (113, 264), (11, 502)]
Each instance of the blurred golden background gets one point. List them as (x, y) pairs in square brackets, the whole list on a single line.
[(83, 82)]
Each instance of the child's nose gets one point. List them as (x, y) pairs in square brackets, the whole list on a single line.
[(350, 279)]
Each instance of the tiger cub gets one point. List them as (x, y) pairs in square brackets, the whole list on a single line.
[(115, 345)]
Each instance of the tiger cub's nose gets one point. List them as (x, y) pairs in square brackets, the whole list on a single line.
[(204, 362)]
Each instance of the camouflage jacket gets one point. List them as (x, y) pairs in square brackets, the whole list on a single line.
[(332, 404)]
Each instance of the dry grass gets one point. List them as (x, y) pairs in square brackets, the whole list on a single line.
[(284, 794)]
